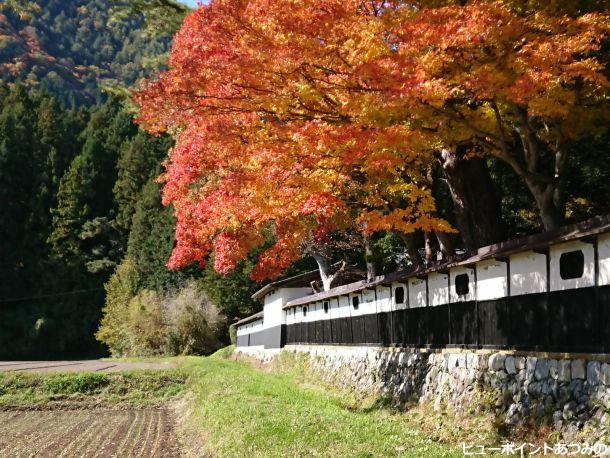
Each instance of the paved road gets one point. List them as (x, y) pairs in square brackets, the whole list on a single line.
[(78, 366)]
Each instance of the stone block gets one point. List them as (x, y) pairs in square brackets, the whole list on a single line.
[(553, 368), (530, 367), (461, 360), (578, 369), (534, 389), (569, 410), (519, 362), (593, 372), (452, 361), (401, 359), (542, 369), (496, 362), (509, 365), (558, 419), (564, 371), (604, 375)]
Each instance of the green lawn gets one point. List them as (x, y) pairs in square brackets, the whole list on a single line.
[(248, 412)]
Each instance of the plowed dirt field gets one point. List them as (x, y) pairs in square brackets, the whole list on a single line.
[(90, 433)]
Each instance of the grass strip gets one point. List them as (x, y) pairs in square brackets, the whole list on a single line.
[(134, 388), (247, 412)]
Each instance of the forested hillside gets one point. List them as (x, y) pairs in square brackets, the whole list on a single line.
[(80, 199), (79, 195), (72, 48)]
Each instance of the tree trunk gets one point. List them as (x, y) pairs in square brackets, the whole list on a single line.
[(324, 268), (412, 251), (549, 202), (371, 271), (446, 242), (547, 189), (476, 206), (429, 252)]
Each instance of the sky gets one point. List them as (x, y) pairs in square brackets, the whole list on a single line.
[(191, 3)]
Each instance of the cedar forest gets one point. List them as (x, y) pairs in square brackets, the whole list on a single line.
[(273, 137)]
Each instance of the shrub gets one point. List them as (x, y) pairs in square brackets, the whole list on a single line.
[(120, 290), (180, 322), (194, 322), (146, 326)]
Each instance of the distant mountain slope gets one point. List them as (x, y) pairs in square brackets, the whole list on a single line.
[(71, 47)]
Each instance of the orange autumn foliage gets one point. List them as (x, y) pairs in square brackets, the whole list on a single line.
[(305, 117)]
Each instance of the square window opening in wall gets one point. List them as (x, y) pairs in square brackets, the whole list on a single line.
[(304, 311), (355, 302), (326, 307), (571, 265), (462, 284), (399, 295)]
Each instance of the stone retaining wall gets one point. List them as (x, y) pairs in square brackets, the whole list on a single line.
[(571, 394), (260, 353)]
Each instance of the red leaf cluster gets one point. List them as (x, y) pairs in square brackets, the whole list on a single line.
[(298, 118)]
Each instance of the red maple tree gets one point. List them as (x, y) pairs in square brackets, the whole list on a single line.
[(301, 118)]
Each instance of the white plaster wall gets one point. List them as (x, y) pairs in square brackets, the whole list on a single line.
[(298, 314), (438, 289), (384, 299), (249, 328), (325, 315), (417, 293), (472, 287), (404, 304), (345, 307), (334, 307), (588, 277), (257, 325), (527, 273), (275, 300), (603, 252), (369, 304), (310, 311), (317, 307), (353, 311), (319, 312), (273, 309), (492, 280), (290, 316)]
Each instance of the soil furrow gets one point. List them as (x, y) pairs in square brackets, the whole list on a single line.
[(22, 433), (76, 423), (158, 429), (111, 431), (135, 444), (76, 444), (129, 433), (110, 448), (149, 427), (89, 432), (90, 445)]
